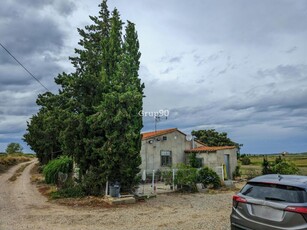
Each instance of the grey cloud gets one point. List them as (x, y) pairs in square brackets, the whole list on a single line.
[(199, 60), (32, 36), (167, 70), (241, 22), (36, 39), (291, 50), (284, 71), (63, 7), (13, 75), (174, 59), (222, 72)]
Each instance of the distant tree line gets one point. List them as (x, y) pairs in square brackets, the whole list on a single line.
[(211, 137)]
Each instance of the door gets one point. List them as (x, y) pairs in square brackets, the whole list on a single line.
[(227, 164)]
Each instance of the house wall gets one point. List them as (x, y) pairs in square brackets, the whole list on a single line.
[(176, 143), (151, 153), (215, 159)]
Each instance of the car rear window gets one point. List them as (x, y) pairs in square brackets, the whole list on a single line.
[(275, 192)]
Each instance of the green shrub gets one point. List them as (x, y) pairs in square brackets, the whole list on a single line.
[(208, 177), (167, 177), (67, 192), (245, 160), (251, 173), (194, 162), (266, 166), (186, 177), (279, 166), (285, 167), (63, 164), (93, 182), (237, 172)]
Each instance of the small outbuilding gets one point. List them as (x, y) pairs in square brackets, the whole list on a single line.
[(217, 156)]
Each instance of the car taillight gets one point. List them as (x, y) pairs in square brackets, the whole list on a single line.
[(302, 210), (236, 199), (296, 209)]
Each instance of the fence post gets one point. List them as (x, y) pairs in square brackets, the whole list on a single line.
[(173, 179), (153, 181)]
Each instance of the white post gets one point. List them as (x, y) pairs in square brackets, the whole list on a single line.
[(153, 181), (173, 179)]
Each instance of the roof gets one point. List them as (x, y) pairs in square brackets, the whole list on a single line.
[(152, 134), (209, 149)]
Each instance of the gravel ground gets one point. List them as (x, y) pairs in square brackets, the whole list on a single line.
[(23, 207)]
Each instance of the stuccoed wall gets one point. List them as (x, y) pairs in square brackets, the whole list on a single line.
[(215, 159), (176, 143)]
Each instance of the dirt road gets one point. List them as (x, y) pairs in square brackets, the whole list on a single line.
[(23, 207)]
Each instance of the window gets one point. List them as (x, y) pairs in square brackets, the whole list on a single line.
[(200, 162), (276, 192), (166, 158), (164, 138)]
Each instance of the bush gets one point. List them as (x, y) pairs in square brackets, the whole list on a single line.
[(167, 177), (186, 177), (208, 177), (252, 173), (279, 166), (93, 182), (266, 166), (70, 191), (194, 162), (237, 172), (245, 160), (63, 164), (285, 167)]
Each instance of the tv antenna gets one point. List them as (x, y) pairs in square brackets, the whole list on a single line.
[(158, 119)]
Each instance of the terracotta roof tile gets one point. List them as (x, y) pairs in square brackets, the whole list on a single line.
[(148, 135), (209, 149)]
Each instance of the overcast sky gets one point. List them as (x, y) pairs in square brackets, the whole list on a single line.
[(235, 66)]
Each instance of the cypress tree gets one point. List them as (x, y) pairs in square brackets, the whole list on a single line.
[(94, 118)]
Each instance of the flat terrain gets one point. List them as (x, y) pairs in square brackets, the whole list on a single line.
[(23, 207), (254, 169)]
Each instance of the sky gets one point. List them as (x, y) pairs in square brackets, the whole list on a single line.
[(234, 66)]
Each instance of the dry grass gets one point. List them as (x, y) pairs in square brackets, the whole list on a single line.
[(7, 161), (36, 176)]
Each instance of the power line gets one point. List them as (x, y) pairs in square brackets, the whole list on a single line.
[(23, 66)]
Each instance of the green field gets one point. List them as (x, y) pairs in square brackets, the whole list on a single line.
[(254, 169)]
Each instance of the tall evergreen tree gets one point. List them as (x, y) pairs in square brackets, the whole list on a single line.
[(118, 112), (94, 118)]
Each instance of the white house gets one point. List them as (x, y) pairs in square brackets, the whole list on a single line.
[(162, 149)]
